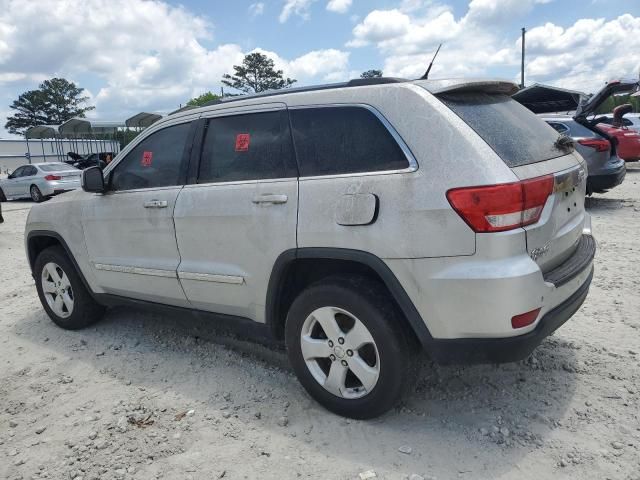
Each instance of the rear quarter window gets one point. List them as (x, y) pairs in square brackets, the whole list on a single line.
[(509, 128), (342, 140), (56, 167)]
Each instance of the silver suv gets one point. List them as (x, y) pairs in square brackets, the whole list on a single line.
[(358, 223)]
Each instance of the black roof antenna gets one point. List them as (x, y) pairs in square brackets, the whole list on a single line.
[(426, 74)]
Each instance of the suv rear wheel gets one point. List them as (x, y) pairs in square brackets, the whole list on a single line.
[(62, 292), (348, 348)]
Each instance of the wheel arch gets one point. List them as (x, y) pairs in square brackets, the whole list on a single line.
[(295, 269), (39, 240)]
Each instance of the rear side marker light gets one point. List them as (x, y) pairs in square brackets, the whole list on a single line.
[(52, 177), (502, 207), (525, 319), (600, 144)]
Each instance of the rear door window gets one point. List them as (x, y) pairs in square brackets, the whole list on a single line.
[(157, 161), (513, 131), (339, 140), (249, 146)]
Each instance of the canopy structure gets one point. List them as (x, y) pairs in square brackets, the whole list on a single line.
[(85, 128), (142, 120), (546, 99), (105, 127), (42, 131)]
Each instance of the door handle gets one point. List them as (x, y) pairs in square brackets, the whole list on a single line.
[(156, 204), (269, 198)]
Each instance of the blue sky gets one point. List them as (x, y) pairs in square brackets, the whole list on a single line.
[(134, 55)]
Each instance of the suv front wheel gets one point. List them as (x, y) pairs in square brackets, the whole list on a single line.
[(347, 346), (62, 292)]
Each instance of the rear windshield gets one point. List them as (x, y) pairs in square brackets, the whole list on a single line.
[(513, 131), (56, 167)]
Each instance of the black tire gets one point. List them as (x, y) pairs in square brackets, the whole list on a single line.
[(36, 194), (372, 305), (86, 311), (3, 197)]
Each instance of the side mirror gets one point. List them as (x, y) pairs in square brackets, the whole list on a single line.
[(92, 180)]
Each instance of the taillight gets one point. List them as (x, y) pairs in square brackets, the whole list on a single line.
[(496, 208), (52, 177), (600, 144), (524, 319)]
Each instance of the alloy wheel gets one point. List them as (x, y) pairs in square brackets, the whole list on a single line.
[(340, 352), (36, 195), (57, 290)]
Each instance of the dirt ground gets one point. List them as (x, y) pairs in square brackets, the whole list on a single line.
[(141, 396)]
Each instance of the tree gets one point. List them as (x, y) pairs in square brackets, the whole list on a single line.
[(371, 74), (54, 102), (256, 74), (203, 99)]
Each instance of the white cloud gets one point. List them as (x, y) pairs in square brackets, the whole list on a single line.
[(323, 65), (583, 55), (339, 6), (295, 7), (586, 54), (133, 54), (256, 9), (380, 25), (330, 64)]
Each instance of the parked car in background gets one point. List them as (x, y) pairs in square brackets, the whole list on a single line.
[(628, 140), (629, 120), (39, 181), (606, 169), (547, 100), (327, 218)]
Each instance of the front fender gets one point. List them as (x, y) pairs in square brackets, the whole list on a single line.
[(61, 219)]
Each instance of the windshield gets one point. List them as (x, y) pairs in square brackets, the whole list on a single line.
[(56, 167), (513, 131)]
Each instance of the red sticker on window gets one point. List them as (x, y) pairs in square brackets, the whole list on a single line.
[(242, 142), (147, 157)]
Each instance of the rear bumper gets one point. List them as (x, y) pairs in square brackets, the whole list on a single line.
[(510, 349), (599, 183), (54, 187)]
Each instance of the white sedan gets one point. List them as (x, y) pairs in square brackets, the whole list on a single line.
[(39, 181)]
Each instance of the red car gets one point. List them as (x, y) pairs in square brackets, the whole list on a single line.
[(628, 141)]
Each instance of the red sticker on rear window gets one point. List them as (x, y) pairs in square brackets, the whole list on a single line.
[(147, 157), (242, 142)]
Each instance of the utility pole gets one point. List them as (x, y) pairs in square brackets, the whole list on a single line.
[(524, 31)]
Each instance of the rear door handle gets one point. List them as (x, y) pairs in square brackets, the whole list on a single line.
[(156, 204), (269, 198)]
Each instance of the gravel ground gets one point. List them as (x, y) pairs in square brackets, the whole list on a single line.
[(141, 396)]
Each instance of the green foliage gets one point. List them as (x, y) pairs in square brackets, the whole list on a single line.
[(616, 100), (203, 99), (371, 74), (256, 74), (54, 102)]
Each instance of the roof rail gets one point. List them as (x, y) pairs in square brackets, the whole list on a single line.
[(358, 82)]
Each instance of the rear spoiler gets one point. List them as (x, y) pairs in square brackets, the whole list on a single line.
[(457, 85)]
